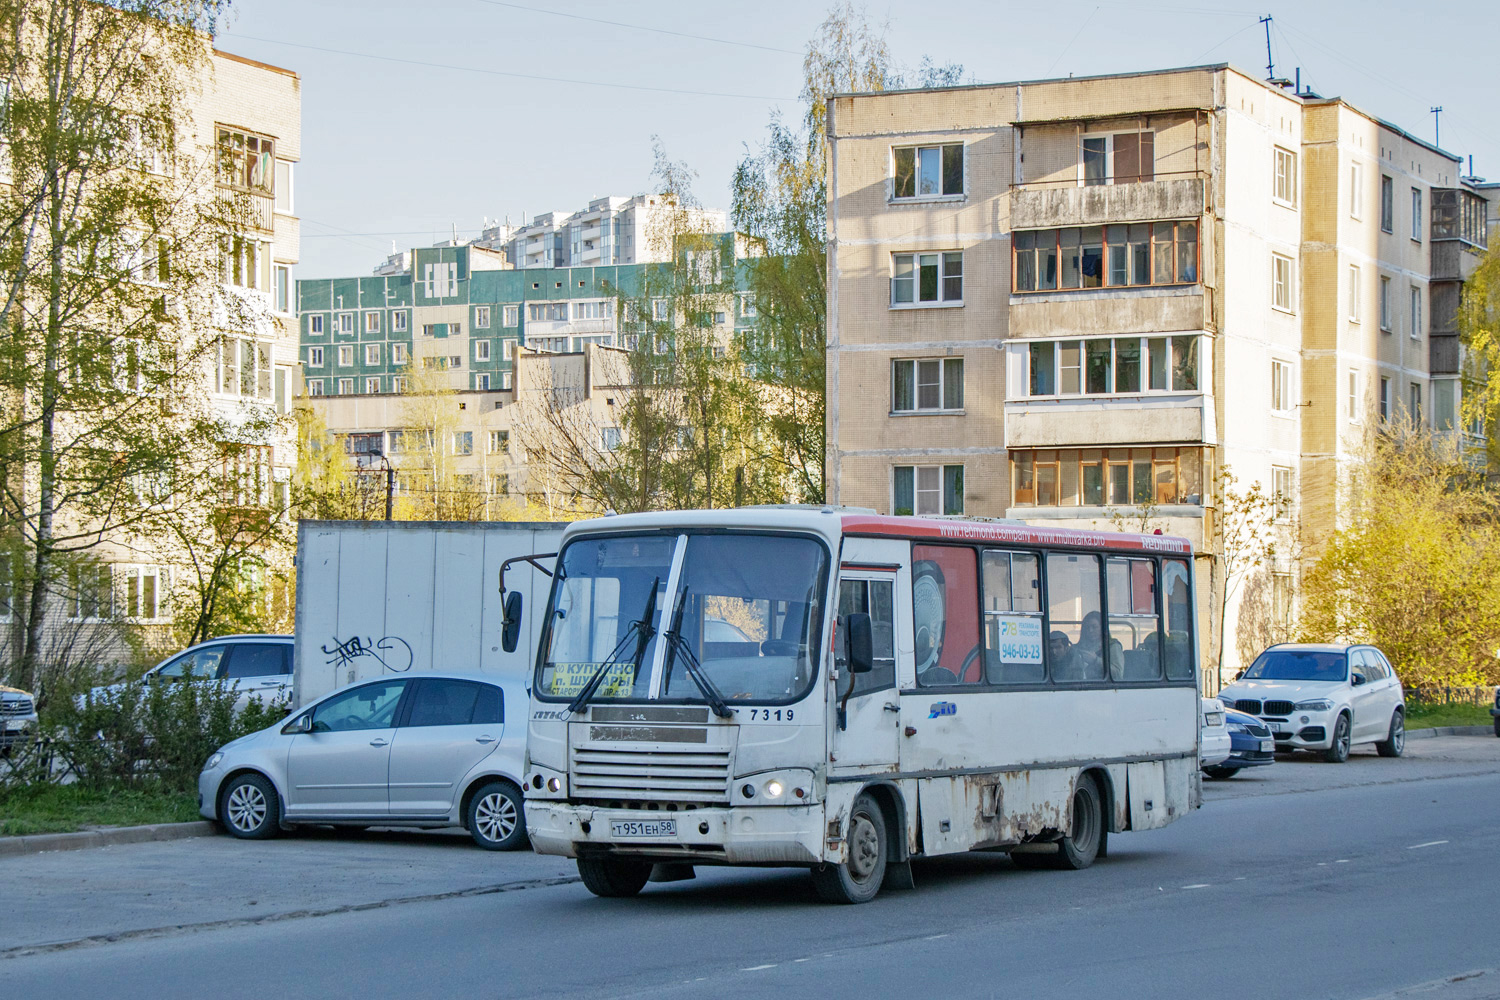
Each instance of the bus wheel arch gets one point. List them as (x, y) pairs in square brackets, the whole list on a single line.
[(1113, 823), (893, 809)]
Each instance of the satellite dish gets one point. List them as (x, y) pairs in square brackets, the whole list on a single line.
[(929, 611)]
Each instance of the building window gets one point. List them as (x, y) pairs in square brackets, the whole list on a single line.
[(1385, 398), (661, 310), (398, 383), (398, 321), (283, 288), (372, 322), (436, 364), (481, 350), (429, 329), (482, 382), (508, 350), (1354, 310), (1281, 485), (511, 315), (927, 489), (346, 355), (747, 305), (1352, 377), (505, 381), (244, 367), (500, 484), (245, 263), (1285, 188), (346, 387), (1281, 387), (372, 354), (247, 161), (1444, 403), (1387, 204), (315, 357), (1099, 477), (609, 438), (499, 442), (1104, 366), (463, 442), (344, 323), (1416, 402), (551, 312), (1416, 214), (372, 384), (315, 325), (315, 387), (284, 202), (1356, 191), (398, 354), (1385, 303), (1121, 158), (928, 171), (935, 384), (593, 310), (1161, 253), (927, 279), (1281, 282), (481, 317), (1416, 312)]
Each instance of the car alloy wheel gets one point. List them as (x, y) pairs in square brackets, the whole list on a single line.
[(249, 808), (246, 808), (495, 816)]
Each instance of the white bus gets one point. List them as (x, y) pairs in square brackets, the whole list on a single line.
[(844, 692)]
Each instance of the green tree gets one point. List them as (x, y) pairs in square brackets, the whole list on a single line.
[(111, 221), (1479, 332)]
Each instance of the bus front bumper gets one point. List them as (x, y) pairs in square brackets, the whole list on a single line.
[(789, 835)]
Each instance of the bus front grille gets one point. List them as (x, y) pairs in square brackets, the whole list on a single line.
[(677, 775)]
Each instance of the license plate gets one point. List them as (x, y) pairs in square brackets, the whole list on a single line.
[(1268, 744), (1276, 727), (643, 828)]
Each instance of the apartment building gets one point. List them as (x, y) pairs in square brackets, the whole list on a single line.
[(610, 231), (1064, 300)]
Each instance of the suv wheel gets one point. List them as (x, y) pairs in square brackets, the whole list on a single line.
[(1395, 742), (1338, 750)]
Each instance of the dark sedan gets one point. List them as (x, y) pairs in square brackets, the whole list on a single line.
[(1251, 745)]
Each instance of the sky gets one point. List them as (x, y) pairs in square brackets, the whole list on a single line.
[(417, 118)]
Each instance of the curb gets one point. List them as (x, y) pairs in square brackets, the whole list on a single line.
[(37, 842), (1422, 734)]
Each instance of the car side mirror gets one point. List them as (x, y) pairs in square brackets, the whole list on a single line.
[(510, 623), (1239, 674), (859, 643), (1357, 679), (301, 724)]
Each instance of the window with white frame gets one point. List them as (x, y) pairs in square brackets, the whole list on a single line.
[(1281, 485), (282, 282), (511, 316), (398, 384), (747, 305), (499, 442), (346, 387), (927, 171), (927, 279), (343, 323), (481, 350), (315, 387), (246, 160), (1356, 191), (372, 384), (372, 354), (463, 442), (429, 329), (1416, 312), (1284, 189), (482, 382), (372, 322), (551, 312), (346, 355), (505, 381), (593, 310), (481, 317), (927, 384), (284, 202), (1111, 365), (1281, 282), (1352, 393), (315, 325), (927, 489), (141, 591), (398, 321), (92, 597), (398, 354), (1354, 310), (1416, 214), (1385, 398), (508, 349), (1281, 387), (661, 310), (609, 438), (244, 367), (245, 262), (1116, 158), (315, 357), (1385, 303)]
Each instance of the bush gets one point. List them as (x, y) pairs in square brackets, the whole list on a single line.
[(157, 732)]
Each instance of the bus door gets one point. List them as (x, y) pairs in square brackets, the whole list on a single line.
[(867, 711)]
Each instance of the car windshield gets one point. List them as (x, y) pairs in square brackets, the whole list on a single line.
[(1298, 665), (747, 607)]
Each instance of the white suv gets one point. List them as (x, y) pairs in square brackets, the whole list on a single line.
[(1324, 697), (255, 665)]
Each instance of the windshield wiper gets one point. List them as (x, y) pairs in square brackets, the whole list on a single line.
[(642, 630), (677, 644)]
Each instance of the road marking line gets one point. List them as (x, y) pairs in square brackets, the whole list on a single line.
[(1342, 861), (801, 960), (1199, 885), (934, 937), (1430, 843), (757, 968)]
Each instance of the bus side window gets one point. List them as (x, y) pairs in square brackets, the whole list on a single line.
[(875, 598), (1012, 618), (1134, 627), (1177, 601), (1075, 644), (945, 615)]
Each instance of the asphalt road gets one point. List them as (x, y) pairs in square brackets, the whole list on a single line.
[(1306, 880)]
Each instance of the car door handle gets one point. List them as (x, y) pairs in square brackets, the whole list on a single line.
[(484, 739), (891, 706), (377, 742)]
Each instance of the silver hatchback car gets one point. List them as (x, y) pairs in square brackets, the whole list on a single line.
[(429, 750)]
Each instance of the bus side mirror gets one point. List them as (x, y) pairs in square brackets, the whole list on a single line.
[(859, 643), (510, 628)]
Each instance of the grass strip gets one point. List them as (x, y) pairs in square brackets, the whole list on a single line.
[(70, 808), (1432, 716)]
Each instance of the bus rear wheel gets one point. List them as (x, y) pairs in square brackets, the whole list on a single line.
[(612, 877), (1079, 848), (858, 879)]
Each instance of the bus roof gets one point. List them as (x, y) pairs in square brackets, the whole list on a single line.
[(1011, 533)]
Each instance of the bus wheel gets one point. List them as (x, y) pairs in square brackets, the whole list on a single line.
[(614, 876), (858, 879), (1081, 845)]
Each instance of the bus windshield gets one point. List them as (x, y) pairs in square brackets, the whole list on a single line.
[(748, 608), (1298, 665)]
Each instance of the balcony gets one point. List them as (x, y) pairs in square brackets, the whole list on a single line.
[(1109, 421), (1044, 206)]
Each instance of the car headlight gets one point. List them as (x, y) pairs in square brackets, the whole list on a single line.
[(214, 760), (1238, 727), (1316, 705)]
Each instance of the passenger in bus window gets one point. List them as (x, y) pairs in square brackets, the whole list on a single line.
[(1091, 645), (1063, 658)]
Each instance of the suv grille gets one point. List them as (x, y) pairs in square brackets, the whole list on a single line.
[(679, 775), (1249, 706), (17, 706), (1280, 707)]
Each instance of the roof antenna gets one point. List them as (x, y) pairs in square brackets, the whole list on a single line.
[(1270, 63), (1437, 116)]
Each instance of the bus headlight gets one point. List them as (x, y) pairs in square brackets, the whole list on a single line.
[(792, 786), (773, 789)]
